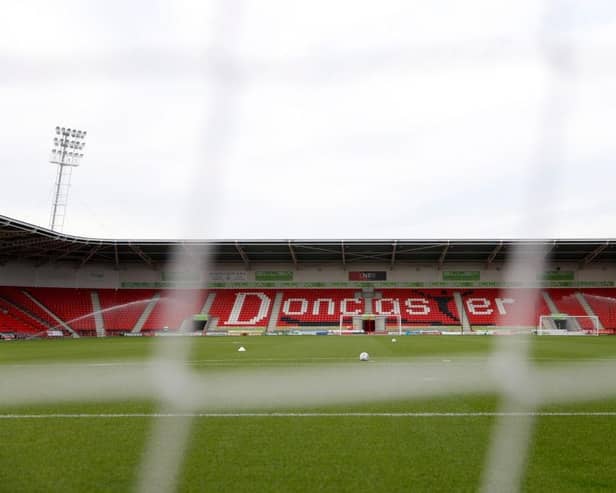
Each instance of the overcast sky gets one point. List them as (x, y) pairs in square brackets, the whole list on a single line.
[(320, 119)]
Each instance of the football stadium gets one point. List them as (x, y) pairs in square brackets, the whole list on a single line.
[(92, 364), (307, 246)]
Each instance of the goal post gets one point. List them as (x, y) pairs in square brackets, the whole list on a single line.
[(370, 324), (568, 325)]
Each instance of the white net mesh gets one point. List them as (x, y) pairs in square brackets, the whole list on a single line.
[(531, 53)]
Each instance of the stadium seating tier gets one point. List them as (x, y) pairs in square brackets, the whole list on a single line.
[(28, 310)]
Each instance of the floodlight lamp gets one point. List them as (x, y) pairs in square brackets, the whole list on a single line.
[(58, 130)]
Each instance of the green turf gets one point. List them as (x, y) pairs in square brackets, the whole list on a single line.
[(303, 454)]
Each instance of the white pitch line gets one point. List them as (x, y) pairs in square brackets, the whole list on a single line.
[(312, 415), (346, 359)]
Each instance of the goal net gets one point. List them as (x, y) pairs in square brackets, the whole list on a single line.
[(568, 325), (370, 324)]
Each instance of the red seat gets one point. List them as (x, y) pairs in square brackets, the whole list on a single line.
[(73, 306), (317, 307), (419, 307), (603, 303), (515, 307), (173, 307), (121, 308)]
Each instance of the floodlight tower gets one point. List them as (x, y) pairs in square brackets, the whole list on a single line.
[(66, 153)]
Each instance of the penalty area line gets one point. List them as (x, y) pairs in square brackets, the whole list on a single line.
[(311, 415)]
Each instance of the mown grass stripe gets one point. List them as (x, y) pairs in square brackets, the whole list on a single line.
[(310, 415)]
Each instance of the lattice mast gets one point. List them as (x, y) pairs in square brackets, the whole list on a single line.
[(66, 154)]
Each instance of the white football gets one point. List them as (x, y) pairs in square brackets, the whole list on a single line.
[(393, 340), (364, 356), (242, 349)]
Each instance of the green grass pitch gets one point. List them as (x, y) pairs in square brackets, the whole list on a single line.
[(334, 453)]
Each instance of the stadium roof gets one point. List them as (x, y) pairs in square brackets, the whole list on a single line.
[(23, 241)]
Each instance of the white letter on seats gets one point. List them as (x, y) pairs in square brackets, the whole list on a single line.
[(417, 306), (394, 310), (286, 309), (500, 304), (234, 317), (316, 308), (343, 306), (479, 306)]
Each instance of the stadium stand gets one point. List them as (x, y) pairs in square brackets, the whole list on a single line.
[(33, 257), (125, 310)]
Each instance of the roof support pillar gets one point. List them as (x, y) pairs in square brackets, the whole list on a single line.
[(441, 259), (242, 253), (494, 253), (592, 255), (142, 256), (116, 256), (90, 255), (393, 254), (293, 256)]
